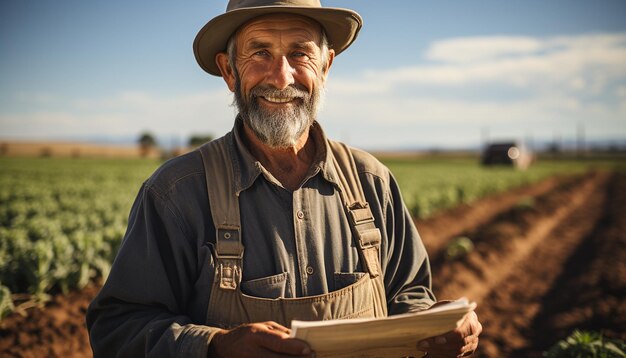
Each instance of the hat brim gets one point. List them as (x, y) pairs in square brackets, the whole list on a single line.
[(340, 25)]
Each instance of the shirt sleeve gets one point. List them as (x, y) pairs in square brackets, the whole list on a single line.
[(404, 259), (139, 310)]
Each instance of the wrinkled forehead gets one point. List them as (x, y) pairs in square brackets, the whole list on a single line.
[(275, 26)]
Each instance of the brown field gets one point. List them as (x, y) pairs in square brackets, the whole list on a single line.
[(69, 149), (537, 271)]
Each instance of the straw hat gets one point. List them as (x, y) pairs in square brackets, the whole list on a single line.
[(341, 25)]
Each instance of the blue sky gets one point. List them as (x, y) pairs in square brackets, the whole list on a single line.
[(421, 74)]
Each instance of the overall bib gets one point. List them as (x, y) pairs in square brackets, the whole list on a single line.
[(230, 307)]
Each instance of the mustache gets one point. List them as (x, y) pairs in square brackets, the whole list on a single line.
[(293, 91)]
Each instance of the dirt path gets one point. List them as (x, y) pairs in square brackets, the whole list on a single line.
[(437, 231), (540, 272), (508, 239), (590, 291)]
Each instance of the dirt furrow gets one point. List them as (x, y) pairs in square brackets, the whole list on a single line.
[(437, 231), (501, 246), (508, 311), (589, 293)]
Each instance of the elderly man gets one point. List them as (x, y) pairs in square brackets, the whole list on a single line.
[(273, 222)]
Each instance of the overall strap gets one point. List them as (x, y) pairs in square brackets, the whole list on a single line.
[(367, 235), (224, 202)]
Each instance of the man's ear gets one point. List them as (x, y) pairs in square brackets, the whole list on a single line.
[(222, 61), (326, 68)]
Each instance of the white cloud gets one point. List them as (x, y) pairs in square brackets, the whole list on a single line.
[(381, 123), (510, 86), (463, 50), (126, 114), (574, 63)]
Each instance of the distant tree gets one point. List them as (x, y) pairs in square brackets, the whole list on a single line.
[(554, 148), (146, 143), (198, 139)]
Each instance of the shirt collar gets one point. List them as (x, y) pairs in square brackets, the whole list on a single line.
[(247, 168)]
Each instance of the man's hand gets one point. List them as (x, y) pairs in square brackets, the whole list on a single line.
[(258, 340), (462, 342)]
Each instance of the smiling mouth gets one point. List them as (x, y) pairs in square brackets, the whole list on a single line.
[(278, 99)]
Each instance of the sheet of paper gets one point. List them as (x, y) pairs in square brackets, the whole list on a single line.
[(393, 336)]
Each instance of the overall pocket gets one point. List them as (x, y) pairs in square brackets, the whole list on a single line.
[(276, 286), (345, 279)]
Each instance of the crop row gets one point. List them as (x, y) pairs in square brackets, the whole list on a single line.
[(62, 220)]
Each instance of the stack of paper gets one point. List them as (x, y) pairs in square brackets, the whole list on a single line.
[(393, 336)]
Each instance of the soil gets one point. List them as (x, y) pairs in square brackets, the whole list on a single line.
[(58, 330), (547, 259), (540, 271)]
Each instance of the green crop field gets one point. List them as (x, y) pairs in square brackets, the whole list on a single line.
[(62, 220)]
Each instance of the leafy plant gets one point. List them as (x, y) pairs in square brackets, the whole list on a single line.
[(458, 247), (6, 303), (525, 203), (584, 344)]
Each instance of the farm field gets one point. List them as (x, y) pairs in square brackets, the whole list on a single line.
[(538, 269)]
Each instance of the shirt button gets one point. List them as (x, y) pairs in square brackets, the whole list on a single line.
[(300, 214), (309, 270)]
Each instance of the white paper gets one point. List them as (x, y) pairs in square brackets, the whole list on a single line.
[(393, 336)]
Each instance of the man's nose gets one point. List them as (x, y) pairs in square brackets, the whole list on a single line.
[(281, 73)]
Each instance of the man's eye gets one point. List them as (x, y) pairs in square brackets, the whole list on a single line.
[(260, 53), (299, 55)]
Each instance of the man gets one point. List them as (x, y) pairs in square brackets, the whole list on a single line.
[(273, 222)]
